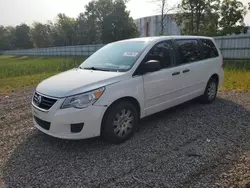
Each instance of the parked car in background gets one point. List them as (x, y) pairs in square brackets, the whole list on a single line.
[(125, 81)]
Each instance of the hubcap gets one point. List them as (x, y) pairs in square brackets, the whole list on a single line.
[(123, 122), (211, 90)]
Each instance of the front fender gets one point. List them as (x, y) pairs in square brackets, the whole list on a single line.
[(132, 87)]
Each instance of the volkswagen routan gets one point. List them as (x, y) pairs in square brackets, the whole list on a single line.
[(125, 81)]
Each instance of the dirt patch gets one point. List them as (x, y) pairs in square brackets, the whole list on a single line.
[(191, 145)]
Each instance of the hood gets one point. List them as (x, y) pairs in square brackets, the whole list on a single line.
[(77, 81)]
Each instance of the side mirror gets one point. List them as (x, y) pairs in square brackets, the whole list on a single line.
[(152, 66)]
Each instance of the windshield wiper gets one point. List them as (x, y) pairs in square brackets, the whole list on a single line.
[(94, 68)]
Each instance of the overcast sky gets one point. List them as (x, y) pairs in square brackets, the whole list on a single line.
[(14, 12)]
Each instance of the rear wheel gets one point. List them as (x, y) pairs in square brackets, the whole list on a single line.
[(210, 91), (120, 122)]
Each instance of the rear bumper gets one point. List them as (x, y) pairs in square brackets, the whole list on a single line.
[(221, 77)]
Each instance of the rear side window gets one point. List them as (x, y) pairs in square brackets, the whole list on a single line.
[(189, 50), (209, 49)]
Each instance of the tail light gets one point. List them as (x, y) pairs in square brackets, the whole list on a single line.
[(222, 65)]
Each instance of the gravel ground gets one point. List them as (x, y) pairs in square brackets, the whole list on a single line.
[(191, 145)]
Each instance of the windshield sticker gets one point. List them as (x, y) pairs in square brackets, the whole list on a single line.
[(130, 54)]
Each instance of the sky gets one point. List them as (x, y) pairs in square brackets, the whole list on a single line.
[(14, 12)]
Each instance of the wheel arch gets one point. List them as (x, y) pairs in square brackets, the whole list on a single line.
[(130, 99), (215, 76)]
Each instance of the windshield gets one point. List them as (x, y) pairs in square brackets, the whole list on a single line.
[(120, 56)]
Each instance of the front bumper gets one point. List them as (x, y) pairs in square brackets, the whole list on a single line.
[(58, 122)]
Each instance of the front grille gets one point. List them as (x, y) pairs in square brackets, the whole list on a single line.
[(42, 123), (43, 102)]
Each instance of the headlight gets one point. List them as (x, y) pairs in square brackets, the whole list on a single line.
[(83, 100)]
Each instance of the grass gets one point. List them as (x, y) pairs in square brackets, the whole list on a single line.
[(237, 75), (9, 84), (236, 81), (21, 71), (14, 66)]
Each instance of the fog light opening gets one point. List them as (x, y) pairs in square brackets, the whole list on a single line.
[(76, 128)]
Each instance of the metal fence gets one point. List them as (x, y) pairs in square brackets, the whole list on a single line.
[(80, 50), (232, 47)]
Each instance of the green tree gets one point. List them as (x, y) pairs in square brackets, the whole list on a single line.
[(210, 19), (10, 37), (22, 38), (93, 30), (64, 30), (198, 16), (103, 21), (118, 24), (108, 21), (103, 9), (81, 29), (41, 35), (232, 17), (2, 38)]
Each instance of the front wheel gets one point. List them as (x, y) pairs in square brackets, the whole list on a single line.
[(210, 91), (120, 122)]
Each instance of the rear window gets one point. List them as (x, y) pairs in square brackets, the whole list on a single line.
[(189, 50), (209, 49)]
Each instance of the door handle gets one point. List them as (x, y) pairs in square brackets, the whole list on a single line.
[(186, 70), (176, 73)]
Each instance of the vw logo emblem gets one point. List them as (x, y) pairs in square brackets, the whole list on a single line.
[(39, 100)]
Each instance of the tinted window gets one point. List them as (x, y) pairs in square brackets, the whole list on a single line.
[(188, 50), (119, 56), (210, 50), (162, 52)]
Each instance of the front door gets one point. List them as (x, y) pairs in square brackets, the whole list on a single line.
[(160, 86)]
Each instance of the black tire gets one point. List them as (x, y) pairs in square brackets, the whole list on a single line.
[(110, 130), (207, 98)]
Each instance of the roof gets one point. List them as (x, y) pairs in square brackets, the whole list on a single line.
[(155, 15), (159, 38), (149, 39)]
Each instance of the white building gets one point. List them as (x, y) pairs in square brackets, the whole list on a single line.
[(151, 26)]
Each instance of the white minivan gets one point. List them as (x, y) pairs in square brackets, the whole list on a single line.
[(125, 81)]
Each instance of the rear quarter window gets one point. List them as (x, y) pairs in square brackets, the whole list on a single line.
[(209, 49)]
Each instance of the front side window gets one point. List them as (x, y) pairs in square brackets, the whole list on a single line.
[(163, 52), (209, 49), (120, 56), (188, 50)]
